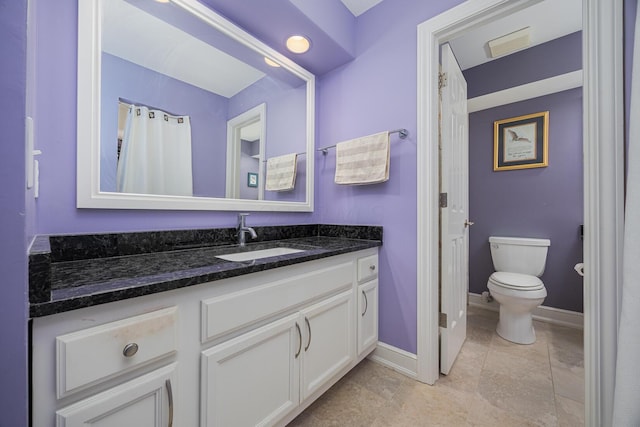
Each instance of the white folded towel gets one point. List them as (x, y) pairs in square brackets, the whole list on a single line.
[(363, 160), (281, 173)]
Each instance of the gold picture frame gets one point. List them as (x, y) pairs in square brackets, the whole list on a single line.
[(521, 142)]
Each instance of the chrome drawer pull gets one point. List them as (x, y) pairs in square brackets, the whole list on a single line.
[(308, 327), (299, 341), (167, 383), (130, 349), (366, 303)]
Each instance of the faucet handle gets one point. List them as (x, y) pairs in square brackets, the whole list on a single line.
[(241, 219)]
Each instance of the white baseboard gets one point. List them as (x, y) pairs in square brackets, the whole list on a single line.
[(556, 316), (397, 359)]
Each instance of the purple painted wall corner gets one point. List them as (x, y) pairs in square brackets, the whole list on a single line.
[(13, 245)]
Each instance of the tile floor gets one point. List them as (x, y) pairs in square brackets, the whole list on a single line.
[(493, 383)]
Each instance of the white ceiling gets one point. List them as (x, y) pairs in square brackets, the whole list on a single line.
[(167, 50), (549, 20)]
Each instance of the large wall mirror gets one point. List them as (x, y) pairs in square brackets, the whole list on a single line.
[(180, 109)]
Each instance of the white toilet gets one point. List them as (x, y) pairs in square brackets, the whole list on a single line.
[(515, 284)]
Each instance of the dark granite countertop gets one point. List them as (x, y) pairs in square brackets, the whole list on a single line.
[(72, 272)]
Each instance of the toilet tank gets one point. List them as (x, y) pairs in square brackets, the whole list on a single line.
[(519, 254)]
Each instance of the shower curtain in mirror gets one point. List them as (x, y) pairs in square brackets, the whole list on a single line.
[(626, 410), (155, 157)]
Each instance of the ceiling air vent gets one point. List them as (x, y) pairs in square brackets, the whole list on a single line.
[(510, 43)]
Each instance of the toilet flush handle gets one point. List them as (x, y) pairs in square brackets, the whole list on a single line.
[(468, 223)]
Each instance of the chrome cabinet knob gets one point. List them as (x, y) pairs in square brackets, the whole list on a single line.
[(130, 349), (372, 267)]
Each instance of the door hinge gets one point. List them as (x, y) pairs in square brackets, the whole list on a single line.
[(442, 320), (443, 200), (442, 80)]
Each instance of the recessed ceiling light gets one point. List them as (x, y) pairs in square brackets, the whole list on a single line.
[(163, 1), (271, 62), (298, 44)]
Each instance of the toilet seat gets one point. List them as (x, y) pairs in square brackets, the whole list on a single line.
[(516, 281)]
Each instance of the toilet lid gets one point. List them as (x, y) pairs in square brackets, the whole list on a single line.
[(523, 282)]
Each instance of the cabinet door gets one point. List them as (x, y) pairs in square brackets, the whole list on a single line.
[(146, 401), (329, 340), (367, 315), (252, 379)]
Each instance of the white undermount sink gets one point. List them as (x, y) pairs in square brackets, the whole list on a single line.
[(261, 253)]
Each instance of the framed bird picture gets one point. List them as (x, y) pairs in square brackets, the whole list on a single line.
[(521, 142)]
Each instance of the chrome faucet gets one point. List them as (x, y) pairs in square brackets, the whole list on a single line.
[(242, 229)]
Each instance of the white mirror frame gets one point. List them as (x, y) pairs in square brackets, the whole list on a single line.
[(88, 122)]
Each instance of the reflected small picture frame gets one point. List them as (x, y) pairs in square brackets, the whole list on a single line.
[(252, 179), (521, 142)]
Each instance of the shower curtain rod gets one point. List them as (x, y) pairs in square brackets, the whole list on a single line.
[(403, 134), (151, 107)]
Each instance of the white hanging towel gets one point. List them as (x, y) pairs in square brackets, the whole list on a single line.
[(363, 160), (281, 173)]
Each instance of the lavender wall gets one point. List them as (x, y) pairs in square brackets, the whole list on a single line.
[(13, 264), (56, 136), (553, 58), (542, 202), (208, 113), (376, 92)]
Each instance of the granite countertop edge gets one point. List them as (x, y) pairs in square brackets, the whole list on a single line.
[(75, 296)]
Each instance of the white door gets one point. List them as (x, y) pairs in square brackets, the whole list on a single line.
[(329, 340), (454, 233), (253, 379), (367, 315), (146, 401)]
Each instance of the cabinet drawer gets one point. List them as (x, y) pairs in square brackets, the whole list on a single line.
[(367, 268), (143, 401), (231, 312), (92, 355)]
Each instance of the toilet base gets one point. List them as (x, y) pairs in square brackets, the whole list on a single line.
[(516, 327)]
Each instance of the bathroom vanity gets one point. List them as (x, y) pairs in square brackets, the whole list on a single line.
[(211, 343)]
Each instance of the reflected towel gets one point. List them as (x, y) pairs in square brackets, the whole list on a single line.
[(281, 173), (363, 160)]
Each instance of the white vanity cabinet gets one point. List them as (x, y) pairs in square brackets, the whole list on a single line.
[(264, 374), (250, 350)]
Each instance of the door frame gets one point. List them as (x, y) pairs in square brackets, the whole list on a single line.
[(234, 127), (603, 112)]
